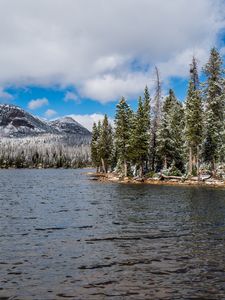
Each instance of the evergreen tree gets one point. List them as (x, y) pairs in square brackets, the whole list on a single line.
[(123, 119), (147, 116), (156, 119), (140, 135), (193, 118), (95, 146), (147, 108), (214, 104), (177, 131), (170, 141), (105, 144), (163, 137)]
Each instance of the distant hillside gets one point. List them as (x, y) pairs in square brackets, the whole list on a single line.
[(15, 122), (27, 141)]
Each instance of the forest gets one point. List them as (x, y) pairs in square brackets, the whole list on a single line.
[(165, 136), (44, 151)]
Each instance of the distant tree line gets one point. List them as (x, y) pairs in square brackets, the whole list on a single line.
[(167, 135), (44, 151)]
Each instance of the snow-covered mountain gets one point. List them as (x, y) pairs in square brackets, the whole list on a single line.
[(69, 126), (27, 141), (15, 122)]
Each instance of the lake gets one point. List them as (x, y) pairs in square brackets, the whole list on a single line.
[(63, 236)]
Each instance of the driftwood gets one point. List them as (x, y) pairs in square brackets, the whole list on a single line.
[(200, 178), (162, 176)]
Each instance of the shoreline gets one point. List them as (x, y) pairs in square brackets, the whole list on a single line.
[(114, 178)]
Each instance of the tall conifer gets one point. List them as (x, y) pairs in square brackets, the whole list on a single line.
[(95, 146), (105, 144), (214, 105), (140, 135), (193, 118), (123, 119)]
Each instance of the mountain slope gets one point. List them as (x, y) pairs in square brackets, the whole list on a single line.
[(28, 142), (15, 122), (69, 126)]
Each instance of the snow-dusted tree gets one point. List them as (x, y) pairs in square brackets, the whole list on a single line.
[(193, 118), (123, 119), (156, 117), (177, 131), (105, 144), (147, 116), (140, 138), (95, 147), (44, 151), (214, 106), (170, 140)]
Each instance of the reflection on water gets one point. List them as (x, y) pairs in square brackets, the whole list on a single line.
[(64, 237)]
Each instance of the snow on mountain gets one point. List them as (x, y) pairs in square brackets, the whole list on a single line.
[(69, 126), (15, 122), (27, 141)]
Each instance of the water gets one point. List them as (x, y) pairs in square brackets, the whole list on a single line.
[(65, 237)]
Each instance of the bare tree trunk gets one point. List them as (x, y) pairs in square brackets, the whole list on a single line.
[(165, 163), (190, 161), (213, 168), (125, 168), (197, 157), (194, 161), (153, 150), (141, 170), (103, 165)]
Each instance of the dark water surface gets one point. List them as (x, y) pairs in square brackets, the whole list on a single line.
[(64, 237)]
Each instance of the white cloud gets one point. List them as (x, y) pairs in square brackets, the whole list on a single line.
[(71, 96), (50, 113), (37, 103), (88, 120), (5, 96), (109, 87), (47, 42)]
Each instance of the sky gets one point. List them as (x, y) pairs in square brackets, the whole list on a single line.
[(79, 57)]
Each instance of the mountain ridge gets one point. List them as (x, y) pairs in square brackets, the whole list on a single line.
[(16, 122)]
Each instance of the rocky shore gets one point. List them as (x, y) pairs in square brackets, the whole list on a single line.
[(113, 177)]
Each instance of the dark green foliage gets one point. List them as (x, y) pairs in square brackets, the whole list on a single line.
[(172, 137), (94, 145), (123, 124), (105, 144), (102, 145), (214, 95), (193, 119), (170, 134), (139, 138), (193, 111)]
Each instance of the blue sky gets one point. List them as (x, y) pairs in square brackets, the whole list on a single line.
[(79, 57)]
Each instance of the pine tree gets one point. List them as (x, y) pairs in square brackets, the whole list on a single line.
[(214, 104), (147, 108), (177, 131), (105, 144), (123, 119), (156, 119), (147, 116), (193, 118), (95, 145), (170, 140), (140, 135)]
